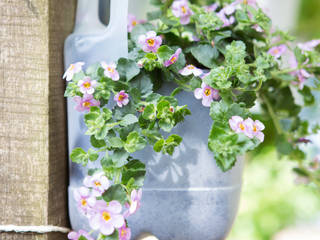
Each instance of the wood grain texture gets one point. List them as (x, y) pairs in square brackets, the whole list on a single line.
[(33, 145)]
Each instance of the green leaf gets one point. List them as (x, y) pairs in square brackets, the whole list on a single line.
[(115, 192), (218, 78), (134, 169), (283, 146), (165, 52), (102, 133), (158, 145), (134, 142), (127, 68), (149, 112), (82, 238), (115, 142), (78, 155), (120, 157), (144, 84), (128, 120), (93, 155), (205, 54), (97, 143)]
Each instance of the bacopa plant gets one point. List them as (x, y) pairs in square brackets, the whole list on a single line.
[(234, 61)]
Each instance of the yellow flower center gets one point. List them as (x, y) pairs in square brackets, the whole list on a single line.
[(190, 67), (184, 10), (86, 104), (83, 202), (97, 183), (241, 126), (123, 232), (71, 67), (134, 23), (276, 51), (121, 97), (87, 84), (106, 216), (173, 59), (150, 42), (110, 69), (255, 128), (245, 1), (207, 92)]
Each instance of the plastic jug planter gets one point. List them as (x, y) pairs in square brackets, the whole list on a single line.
[(185, 196)]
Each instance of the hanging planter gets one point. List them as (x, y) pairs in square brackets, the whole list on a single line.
[(172, 119)]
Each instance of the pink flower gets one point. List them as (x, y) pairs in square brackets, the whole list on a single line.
[(72, 69), (150, 42), (132, 22), (207, 94), (81, 233), (106, 217), (121, 98), (255, 128), (301, 74), (252, 3), (227, 21), (238, 125), (98, 182), (173, 58), (309, 46), (124, 233), (135, 202), (87, 85), (277, 51), (190, 69), (110, 71), (85, 103), (257, 28), (84, 199), (211, 8), (180, 9)]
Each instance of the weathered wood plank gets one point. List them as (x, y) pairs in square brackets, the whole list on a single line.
[(33, 153)]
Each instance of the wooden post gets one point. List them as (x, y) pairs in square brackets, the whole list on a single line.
[(33, 146)]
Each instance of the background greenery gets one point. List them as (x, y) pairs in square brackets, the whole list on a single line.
[(271, 200)]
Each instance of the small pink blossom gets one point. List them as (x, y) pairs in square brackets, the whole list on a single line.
[(124, 233), (309, 46), (81, 233), (87, 85), (190, 69), (180, 9), (84, 199), (301, 74), (134, 203), (207, 94), (121, 98), (257, 28), (132, 22), (150, 42), (173, 58), (227, 21), (98, 182), (73, 69), (211, 8), (252, 3), (238, 125), (255, 128), (277, 51), (110, 70), (85, 103), (106, 217)]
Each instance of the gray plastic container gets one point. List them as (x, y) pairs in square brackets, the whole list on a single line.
[(185, 197)]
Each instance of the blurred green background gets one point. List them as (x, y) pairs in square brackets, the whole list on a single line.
[(271, 201)]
